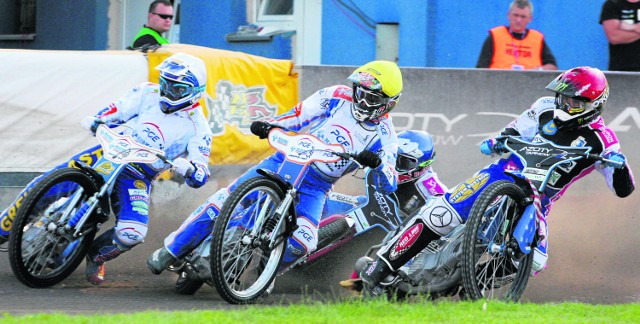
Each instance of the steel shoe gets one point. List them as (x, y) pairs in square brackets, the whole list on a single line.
[(160, 260)]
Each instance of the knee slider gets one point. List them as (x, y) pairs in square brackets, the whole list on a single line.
[(306, 235), (127, 235)]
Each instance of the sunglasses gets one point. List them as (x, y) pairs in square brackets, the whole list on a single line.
[(163, 16)]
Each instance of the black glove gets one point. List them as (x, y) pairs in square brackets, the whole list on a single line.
[(261, 129), (368, 159)]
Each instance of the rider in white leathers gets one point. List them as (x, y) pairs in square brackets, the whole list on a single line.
[(355, 117), (165, 116)]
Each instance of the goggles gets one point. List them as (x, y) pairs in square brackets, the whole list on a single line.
[(406, 163), (571, 106), (368, 99), (176, 90)]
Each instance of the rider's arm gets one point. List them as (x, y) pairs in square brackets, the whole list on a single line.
[(623, 183), (313, 109), (385, 175), (198, 150), (527, 123), (129, 105), (429, 184), (619, 180)]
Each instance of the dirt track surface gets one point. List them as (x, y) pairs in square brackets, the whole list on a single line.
[(588, 264)]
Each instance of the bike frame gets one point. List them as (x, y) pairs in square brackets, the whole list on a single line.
[(537, 163), (118, 151), (300, 150)]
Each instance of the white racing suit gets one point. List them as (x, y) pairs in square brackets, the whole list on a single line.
[(181, 134), (444, 213), (327, 114)]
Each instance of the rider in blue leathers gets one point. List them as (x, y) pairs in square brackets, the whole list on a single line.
[(572, 118), (355, 117), (165, 116), (417, 181)]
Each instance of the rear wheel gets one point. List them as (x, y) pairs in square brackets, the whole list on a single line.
[(242, 263), (492, 268), (40, 252)]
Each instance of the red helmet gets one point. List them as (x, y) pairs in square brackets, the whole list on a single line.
[(580, 96)]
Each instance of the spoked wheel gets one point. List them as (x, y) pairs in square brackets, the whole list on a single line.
[(243, 260), (39, 254), (489, 269)]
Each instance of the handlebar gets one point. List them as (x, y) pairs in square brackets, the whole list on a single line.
[(501, 140), (346, 156), (596, 157)]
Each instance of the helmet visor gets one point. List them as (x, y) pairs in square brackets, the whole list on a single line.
[(571, 106), (174, 91)]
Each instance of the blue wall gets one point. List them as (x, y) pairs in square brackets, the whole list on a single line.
[(433, 33), (216, 19), (440, 33), (68, 25)]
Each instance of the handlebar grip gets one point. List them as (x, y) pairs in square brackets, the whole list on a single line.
[(602, 159), (163, 158), (96, 123)]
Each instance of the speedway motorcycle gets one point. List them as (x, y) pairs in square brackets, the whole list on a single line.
[(59, 218), (344, 218), (490, 256)]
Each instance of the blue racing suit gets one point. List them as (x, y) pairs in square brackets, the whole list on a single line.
[(327, 115)]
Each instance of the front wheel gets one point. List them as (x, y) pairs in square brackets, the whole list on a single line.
[(243, 264), (41, 255), (491, 266)]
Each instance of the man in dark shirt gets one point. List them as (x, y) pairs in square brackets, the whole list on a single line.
[(621, 23), (520, 14), (158, 21)]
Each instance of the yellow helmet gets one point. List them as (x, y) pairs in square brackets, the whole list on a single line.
[(377, 86)]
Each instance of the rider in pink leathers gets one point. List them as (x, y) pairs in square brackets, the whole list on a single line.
[(572, 118), (355, 117)]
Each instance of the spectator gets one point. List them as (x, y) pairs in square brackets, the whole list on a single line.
[(619, 19), (158, 21), (514, 46)]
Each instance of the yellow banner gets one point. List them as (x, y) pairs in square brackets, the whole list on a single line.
[(241, 89)]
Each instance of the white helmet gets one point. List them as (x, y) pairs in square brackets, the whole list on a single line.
[(183, 79)]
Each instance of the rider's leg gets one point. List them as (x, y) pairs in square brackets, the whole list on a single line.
[(435, 219), (190, 233), (312, 195), (88, 156), (130, 202), (200, 223)]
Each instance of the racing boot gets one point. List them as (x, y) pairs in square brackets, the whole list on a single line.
[(354, 284), (372, 276), (103, 249), (159, 260), (94, 272)]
